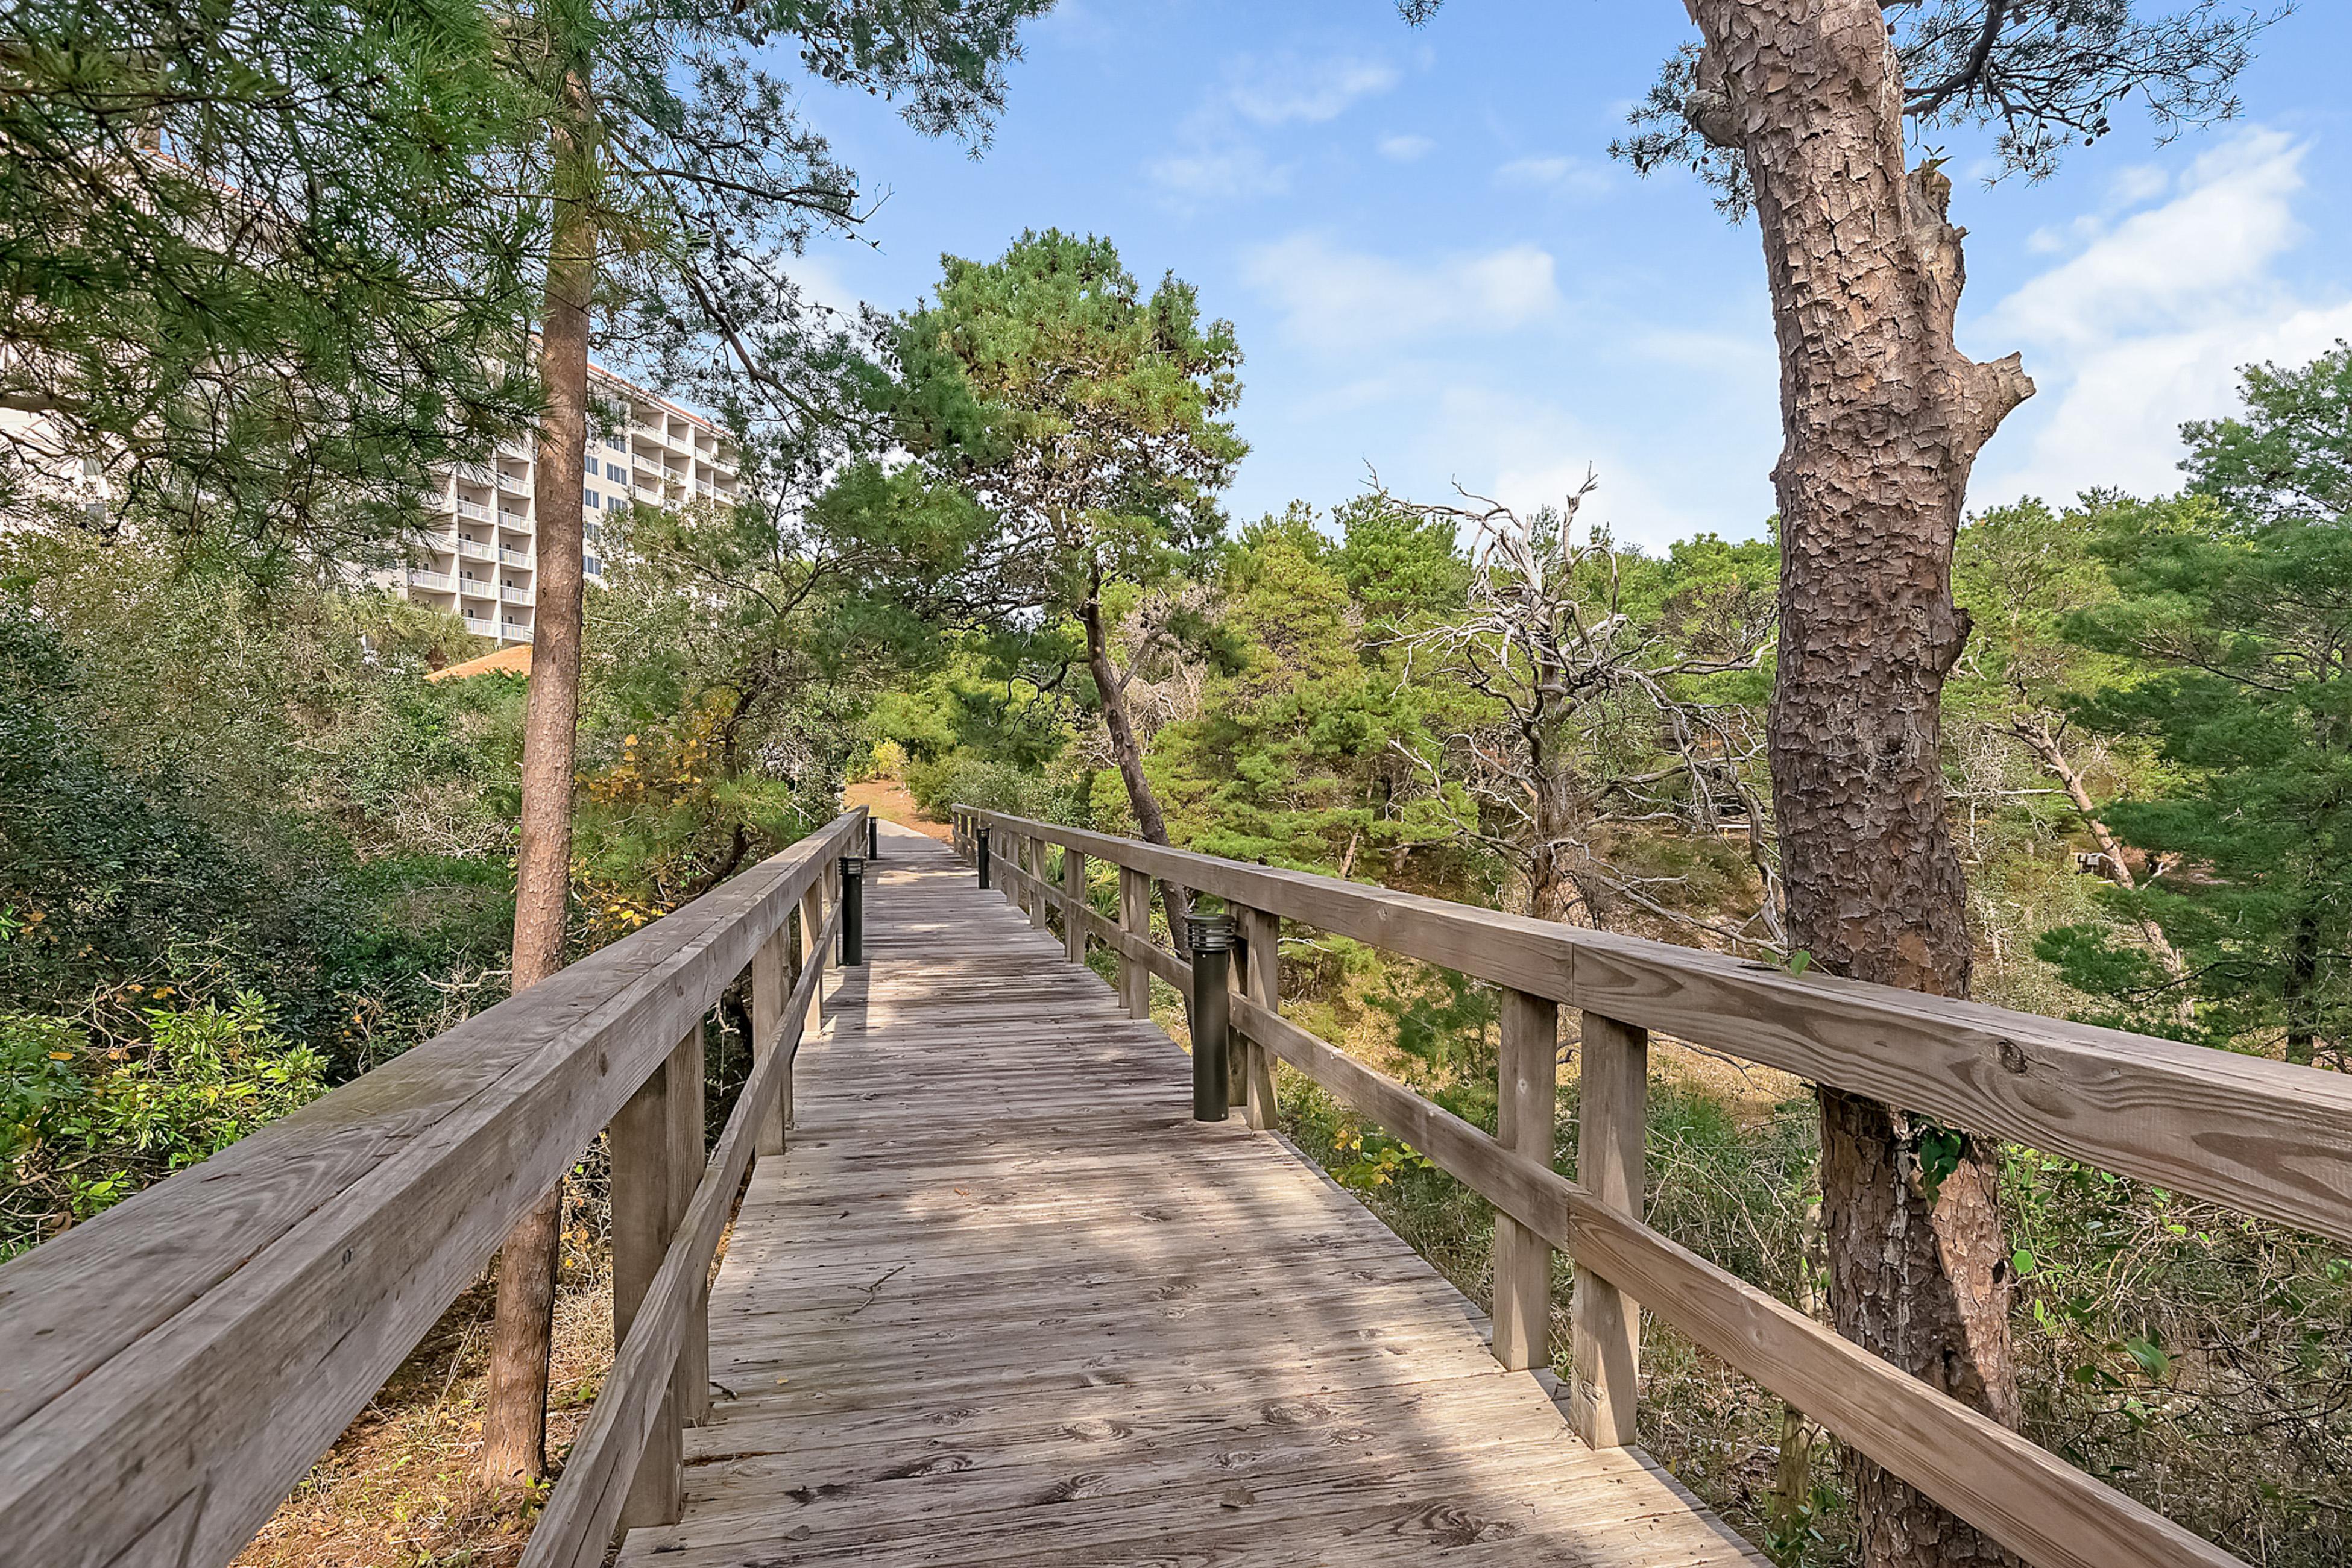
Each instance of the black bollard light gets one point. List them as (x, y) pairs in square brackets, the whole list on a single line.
[(1212, 948), (873, 837), (853, 912), (979, 852)]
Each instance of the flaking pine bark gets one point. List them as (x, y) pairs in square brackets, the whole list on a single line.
[(1883, 418)]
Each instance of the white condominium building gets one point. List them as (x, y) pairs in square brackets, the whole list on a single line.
[(479, 560)]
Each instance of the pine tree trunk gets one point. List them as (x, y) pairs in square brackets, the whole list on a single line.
[(1128, 750), (514, 1425), (1881, 419)]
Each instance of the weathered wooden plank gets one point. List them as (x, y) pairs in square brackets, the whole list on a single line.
[(1604, 1322), (187, 1355), (1260, 977), (2258, 1135), (1080, 1326), (769, 988), (1527, 1081), (1134, 920)]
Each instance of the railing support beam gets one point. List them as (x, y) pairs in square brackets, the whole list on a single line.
[(770, 986), (1605, 1323), (690, 1383), (644, 1146), (1260, 979), (1135, 919), (1527, 1097), (1073, 896), (812, 927)]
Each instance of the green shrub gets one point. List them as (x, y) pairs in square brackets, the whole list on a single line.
[(83, 1126)]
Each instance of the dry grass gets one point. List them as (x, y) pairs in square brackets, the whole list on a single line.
[(397, 1490)]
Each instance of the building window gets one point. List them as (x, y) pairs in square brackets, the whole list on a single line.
[(589, 496), (591, 565)]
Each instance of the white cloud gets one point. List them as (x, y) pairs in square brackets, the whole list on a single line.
[(1406, 148), (1336, 300), (2146, 324), (1527, 452), (1211, 173), (1575, 176), (1290, 91), (1216, 155)]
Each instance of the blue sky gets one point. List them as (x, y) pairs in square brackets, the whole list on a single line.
[(1436, 270)]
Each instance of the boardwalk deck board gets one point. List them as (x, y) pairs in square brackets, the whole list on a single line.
[(1002, 1301)]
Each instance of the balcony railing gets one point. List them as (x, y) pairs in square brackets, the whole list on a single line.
[(477, 549), (514, 484), (475, 510), (481, 627), (475, 473), (514, 557), (439, 582), (514, 595), (513, 632)]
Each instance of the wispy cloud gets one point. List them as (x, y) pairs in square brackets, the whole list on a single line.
[(1336, 299), (1406, 148), (1291, 91), (1217, 153), (2166, 293), (1574, 176)]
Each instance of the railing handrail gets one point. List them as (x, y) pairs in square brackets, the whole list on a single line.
[(177, 1364), (2262, 1136), (2013, 1074)]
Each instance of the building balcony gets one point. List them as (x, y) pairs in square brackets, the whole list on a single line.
[(474, 473), (475, 510), (514, 631), (514, 484), (439, 582), (510, 448), (477, 550), (513, 595), (481, 627), (513, 557)]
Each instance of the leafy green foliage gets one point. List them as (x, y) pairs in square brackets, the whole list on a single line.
[(261, 267), (82, 1128), (2235, 630), (1080, 412)]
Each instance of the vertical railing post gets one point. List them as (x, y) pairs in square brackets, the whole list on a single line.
[(812, 925), (873, 837), (690, 1379), (1135, 919), (1074, 900), (1260, 981), (1213, 943), (1605, 1323), (1032, 860), (769, 989), (853, 912), (980, 853), (642, 1147), (1529, 1093)]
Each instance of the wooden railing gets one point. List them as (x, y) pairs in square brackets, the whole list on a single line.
[(170, 1369), (2260, 1137)]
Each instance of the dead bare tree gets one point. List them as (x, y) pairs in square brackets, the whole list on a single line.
[(1586, 733)]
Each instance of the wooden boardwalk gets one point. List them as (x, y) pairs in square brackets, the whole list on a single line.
[(1003, 1301)]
